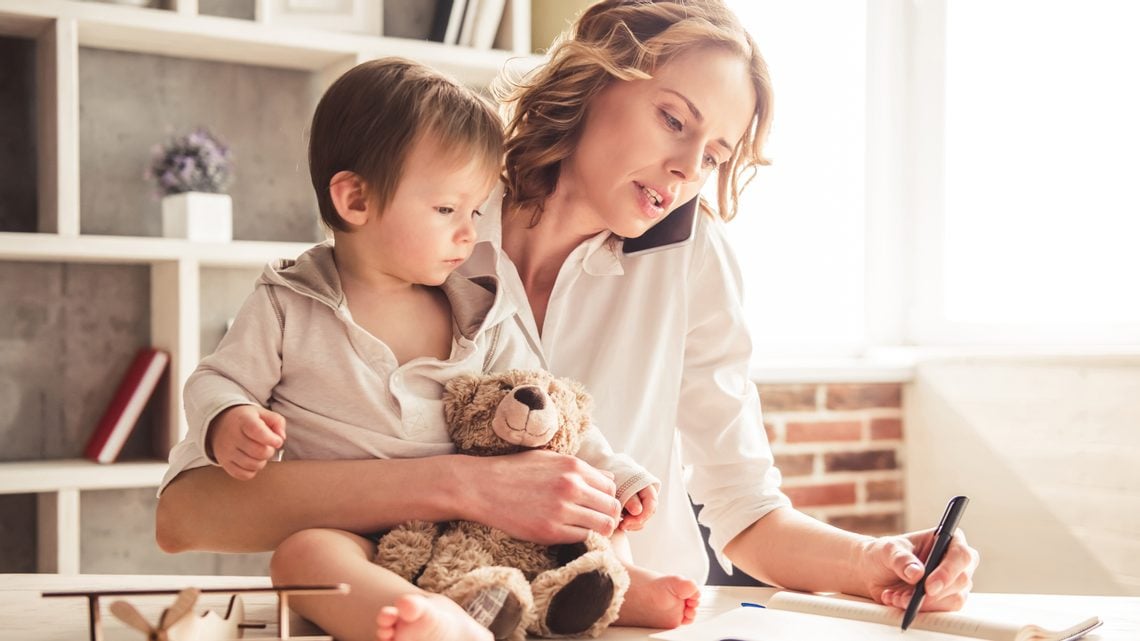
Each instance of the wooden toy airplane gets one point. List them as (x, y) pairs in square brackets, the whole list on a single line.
[(175, 625)]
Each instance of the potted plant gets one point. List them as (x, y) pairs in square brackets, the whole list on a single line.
[(192, 173)]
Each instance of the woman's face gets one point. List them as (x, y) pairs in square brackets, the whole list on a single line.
[(648, 146)]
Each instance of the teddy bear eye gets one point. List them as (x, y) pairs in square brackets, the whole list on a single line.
[(505, 386)]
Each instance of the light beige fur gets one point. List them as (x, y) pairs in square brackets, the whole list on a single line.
[(578, 588)]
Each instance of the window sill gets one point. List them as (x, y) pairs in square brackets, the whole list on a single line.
[(899, 364)]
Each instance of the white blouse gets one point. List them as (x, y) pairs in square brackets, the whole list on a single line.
[(659, 339)]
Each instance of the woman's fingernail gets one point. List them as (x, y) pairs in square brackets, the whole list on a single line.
[(914, 569)]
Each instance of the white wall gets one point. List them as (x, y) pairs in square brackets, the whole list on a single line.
[(1048, 450)]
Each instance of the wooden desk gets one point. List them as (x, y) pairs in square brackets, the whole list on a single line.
[(26, 616)]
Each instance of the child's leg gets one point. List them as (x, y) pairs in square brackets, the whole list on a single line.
[(654, 600), (381, 605)]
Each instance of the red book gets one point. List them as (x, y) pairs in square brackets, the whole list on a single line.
[(122, 413)]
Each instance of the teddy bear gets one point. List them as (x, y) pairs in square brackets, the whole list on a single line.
[(511, 586)]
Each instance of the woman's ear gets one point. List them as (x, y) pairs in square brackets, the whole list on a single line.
[(349, 195)]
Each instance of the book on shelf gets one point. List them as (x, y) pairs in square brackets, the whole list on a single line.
[(122, 413), (488, 15), (794, 615), (440, 19), (467, 29), (448, 21)]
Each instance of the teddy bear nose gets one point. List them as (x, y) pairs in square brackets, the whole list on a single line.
[(530, 396)]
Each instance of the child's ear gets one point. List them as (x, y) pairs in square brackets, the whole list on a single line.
[(349, 195)]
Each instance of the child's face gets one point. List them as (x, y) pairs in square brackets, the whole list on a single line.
[(428, 229)]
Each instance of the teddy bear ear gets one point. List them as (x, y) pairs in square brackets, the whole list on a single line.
[(585, 401), (461, 388)]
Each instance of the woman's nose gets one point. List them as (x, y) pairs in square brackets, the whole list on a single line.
[(687, 165)]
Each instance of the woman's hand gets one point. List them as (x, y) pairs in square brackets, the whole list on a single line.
[(538, 496), (891, 566)]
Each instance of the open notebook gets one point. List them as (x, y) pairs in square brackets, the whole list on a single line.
[(791, 615)]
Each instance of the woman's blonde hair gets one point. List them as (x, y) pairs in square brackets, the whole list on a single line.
[(623, 40)]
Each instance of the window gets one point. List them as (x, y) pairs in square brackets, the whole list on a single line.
[(945, 172), (1039, 226)]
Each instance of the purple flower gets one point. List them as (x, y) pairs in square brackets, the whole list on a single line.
[(194, 162)]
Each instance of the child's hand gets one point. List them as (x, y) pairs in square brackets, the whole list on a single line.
[(639, 508), (243, 438)]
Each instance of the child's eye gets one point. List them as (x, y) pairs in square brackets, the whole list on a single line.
[(671, 122), (446, 211), (476, 213)]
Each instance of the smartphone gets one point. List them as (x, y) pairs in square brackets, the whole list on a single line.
[(676, 229)]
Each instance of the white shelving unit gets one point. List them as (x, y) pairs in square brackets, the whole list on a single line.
[(59, 28)]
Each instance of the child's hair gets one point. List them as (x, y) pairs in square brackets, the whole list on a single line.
[(620, 40), (368, 120)]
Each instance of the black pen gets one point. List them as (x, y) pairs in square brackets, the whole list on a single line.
[(942, 535)]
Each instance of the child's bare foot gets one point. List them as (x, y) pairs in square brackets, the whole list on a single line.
[(657, 600), (427, 617)]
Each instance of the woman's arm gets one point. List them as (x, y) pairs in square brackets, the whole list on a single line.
[(538, 496), (792, 550), (732, 470)]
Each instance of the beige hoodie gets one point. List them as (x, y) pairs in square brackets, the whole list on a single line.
[(295, 349)]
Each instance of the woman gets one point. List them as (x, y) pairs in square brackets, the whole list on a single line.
[(638, 108)]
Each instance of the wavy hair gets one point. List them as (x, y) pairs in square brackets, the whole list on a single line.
[(621, 40)]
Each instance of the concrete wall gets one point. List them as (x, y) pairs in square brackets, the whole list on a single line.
[(1048, 450)]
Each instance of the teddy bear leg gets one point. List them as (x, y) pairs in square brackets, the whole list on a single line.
[(406, 548), (497, 597), (454, 555), (581, 598)]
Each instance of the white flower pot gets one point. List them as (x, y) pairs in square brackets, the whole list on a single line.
[(198, 216)]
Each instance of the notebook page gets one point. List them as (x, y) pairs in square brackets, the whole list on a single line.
[(759, 624), (863, 610)]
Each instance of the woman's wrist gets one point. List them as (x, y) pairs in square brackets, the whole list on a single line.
[(452, 487), (859, 565)]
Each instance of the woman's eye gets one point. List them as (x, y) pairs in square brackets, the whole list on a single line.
[(671, 122), (710, 161), (446, 211)]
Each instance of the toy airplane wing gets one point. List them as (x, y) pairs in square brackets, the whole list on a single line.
[(174, 625)]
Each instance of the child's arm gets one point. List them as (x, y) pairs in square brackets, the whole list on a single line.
[(227, 394), (636, 488)]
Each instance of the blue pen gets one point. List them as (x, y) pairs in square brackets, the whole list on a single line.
[(750, 605)]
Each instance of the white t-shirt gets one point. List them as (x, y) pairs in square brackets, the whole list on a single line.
[(659, 339)]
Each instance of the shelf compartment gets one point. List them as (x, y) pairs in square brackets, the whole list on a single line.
[(130, 103), (18, 177)]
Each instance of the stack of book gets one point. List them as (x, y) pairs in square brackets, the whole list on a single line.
[(467, 23)]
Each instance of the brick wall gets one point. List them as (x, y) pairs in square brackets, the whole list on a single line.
[(839, 447)]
